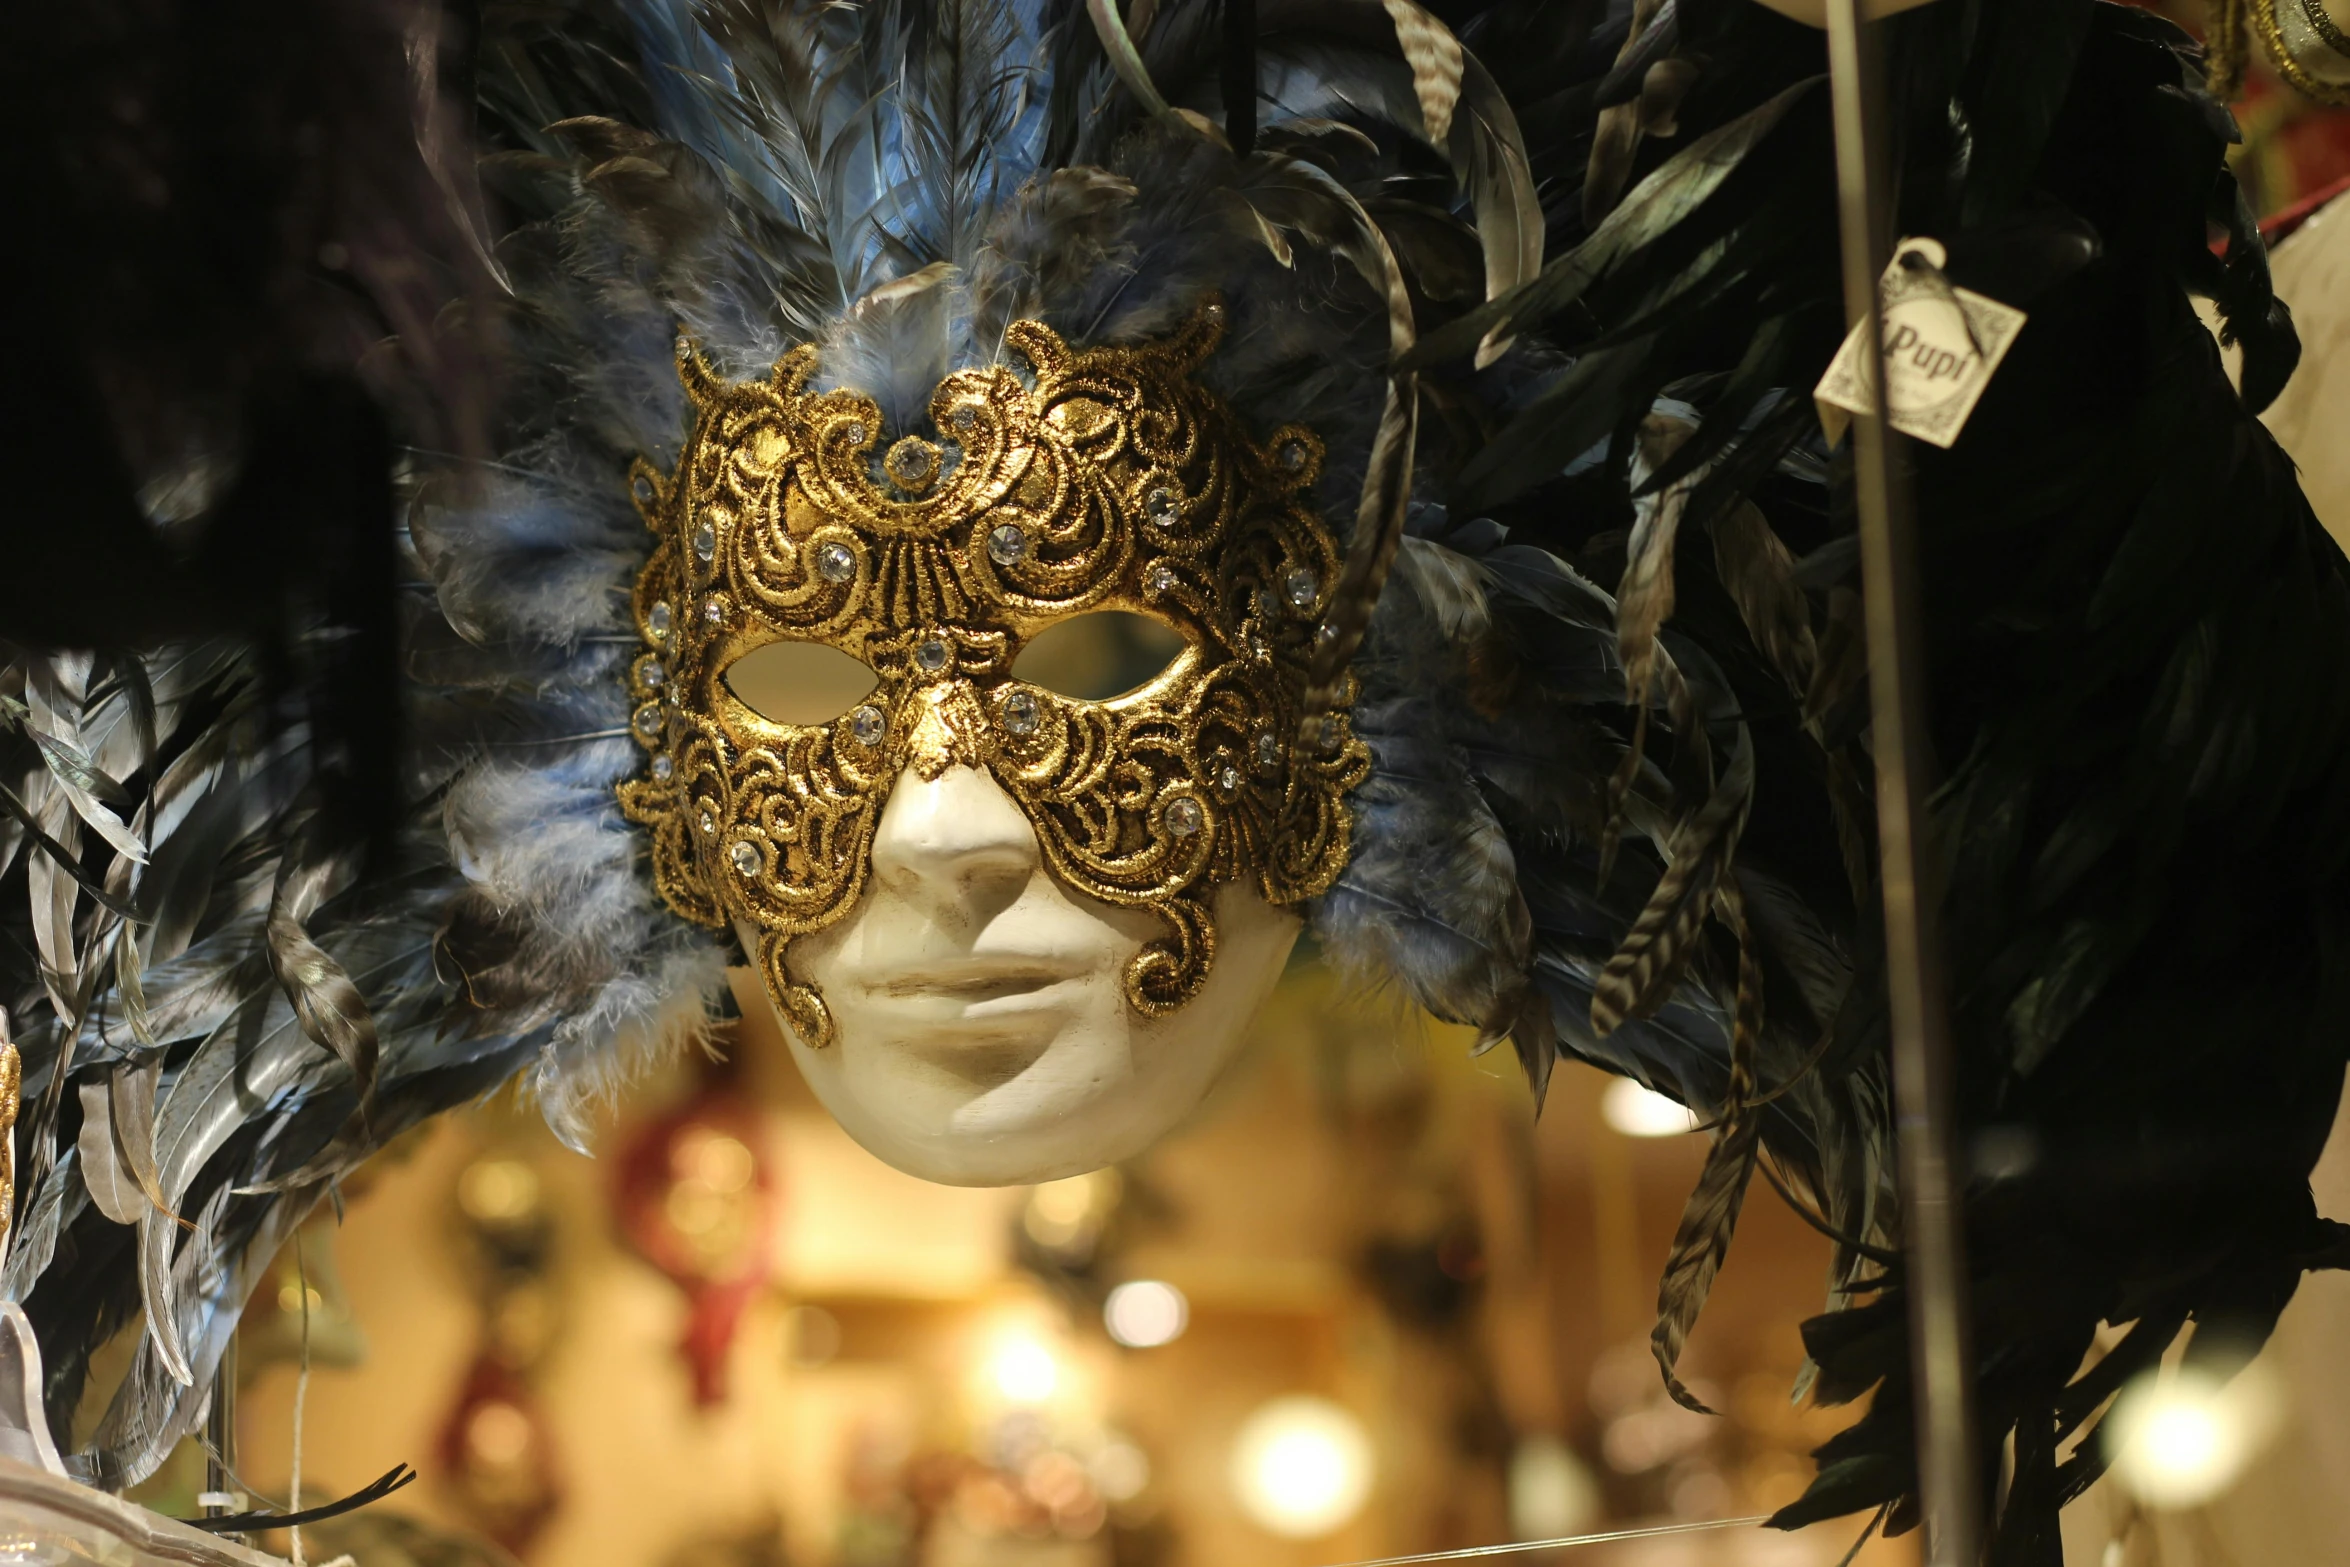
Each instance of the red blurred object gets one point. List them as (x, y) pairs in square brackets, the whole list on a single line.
[(497, 1451), (2279, 227), (2295, 154), (696, 1200)]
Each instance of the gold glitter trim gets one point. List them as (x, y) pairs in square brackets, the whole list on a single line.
[(1106, 479), (2291, 66)]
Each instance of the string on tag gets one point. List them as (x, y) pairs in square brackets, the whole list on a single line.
[(301, 1398)]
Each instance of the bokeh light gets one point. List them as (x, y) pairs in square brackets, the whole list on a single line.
[(1145, 1313), (1066, 1215), (2178, 1438), (1024, 1371), (1642, 1112), (1552, 1493), (1301, 1466), (1121, 1471)]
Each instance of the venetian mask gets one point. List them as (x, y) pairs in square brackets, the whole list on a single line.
[(1099, 479)]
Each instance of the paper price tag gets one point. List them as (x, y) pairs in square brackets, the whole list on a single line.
[(1942, 345)]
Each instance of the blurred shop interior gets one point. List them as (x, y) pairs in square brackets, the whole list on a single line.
[(1365, 1304)]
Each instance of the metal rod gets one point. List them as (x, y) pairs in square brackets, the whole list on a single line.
[(1941, 1365), (220, 1435), (1569, 1542)]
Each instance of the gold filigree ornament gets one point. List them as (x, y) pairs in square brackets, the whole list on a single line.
[(1106, 479)]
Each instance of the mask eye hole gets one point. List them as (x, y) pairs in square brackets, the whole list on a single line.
[(799, 683), (1098, 656)]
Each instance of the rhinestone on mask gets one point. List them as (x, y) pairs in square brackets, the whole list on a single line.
[(1021, 713), (1159, 505), (964, 416), (868, 725), (714, 609), (1303, 588), (853, 432), (1184, 817), (653, 674), (1007, 543), (663, 768), (930, 655), (745, 857), (912, 462), (657, 621), (1158, 579), (705, 544), (1229, 779), (835, 562), (1268, 749), (1293, 456), (708, 824), (648, 721)]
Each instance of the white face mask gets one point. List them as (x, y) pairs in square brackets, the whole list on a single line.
[(1013, 928), (981, 1029)]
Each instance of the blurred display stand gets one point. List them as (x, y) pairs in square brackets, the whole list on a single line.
[(46, 1519)]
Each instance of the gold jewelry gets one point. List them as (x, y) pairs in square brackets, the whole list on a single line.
[(2321, 22), (2299, 50), (1107, 479), (2293, 47)]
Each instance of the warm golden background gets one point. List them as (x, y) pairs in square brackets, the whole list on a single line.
[(1362, 1213)]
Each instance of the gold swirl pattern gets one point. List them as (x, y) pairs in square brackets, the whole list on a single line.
[(1106, 479)]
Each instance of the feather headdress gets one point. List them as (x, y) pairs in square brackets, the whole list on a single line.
[(1619, 807), (227, 1001)]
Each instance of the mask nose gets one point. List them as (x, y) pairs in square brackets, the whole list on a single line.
[(955, 845)]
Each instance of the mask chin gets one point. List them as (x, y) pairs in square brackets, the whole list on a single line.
[(1009, 1086)]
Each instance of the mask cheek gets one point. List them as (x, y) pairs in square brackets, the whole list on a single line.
[(772, 836), (1054, 1087)]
